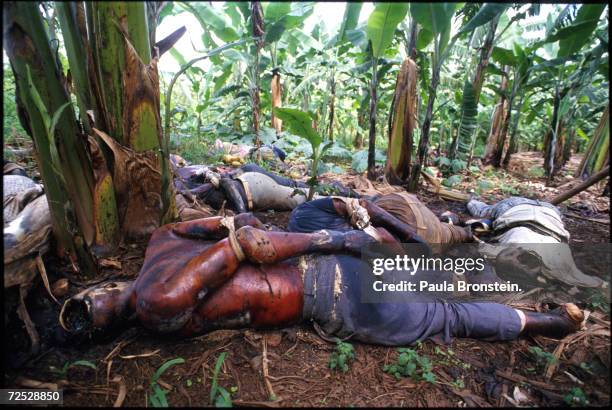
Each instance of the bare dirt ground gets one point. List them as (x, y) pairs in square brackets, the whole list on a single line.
[(468, 372)]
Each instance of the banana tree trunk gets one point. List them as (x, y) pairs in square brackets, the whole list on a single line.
[(597, 153), (552, 139), (424, 141), (372, 133), (468, 117), (276, 101), (512, 146), (332, 102), (257, 20), (501, 142), (402, 121), (497, 121), (60, 153)]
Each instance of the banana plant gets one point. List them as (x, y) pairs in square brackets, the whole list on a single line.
[(489, 15), (435, 20), (380, 29), (571, 35), (300, 123)]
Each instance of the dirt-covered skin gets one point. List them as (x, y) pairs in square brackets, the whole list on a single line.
[(467, 371)]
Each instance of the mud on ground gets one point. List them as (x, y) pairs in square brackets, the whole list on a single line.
[(468, 372)]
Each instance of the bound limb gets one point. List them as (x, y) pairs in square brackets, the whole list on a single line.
[(381, 218), (173, 282), (166, 300)]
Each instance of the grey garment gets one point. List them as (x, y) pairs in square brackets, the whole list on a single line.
[(13, 184), (481, 210), (18, 191), (266, 193), (539, 219), (332, 299)]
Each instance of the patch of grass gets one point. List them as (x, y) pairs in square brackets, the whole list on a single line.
[(458, 384), (411, 364), (218, 395), (483, 185), (542, 357), (196, 150), (448, 358), (63, 372), (586, 367), (535, 172), (157, 398), (341, 358), (598, 301), (508, 189), (576, 397)]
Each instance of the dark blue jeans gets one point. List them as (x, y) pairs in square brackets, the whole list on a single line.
[(333, 301)]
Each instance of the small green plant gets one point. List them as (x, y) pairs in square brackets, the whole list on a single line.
[(300, 123), (458, 384), (508, 189), (598, 301), (411, 364), (542, 357), (157, 398), (451, 181), (218, 395), (342, 356), (535, 172), (586, 367), (447, 358), (63, 372), (576, 397)]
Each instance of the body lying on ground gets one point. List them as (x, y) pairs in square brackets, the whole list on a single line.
[(27, 235), (400, 213), (249, 188), (531, 230), (218, 273)]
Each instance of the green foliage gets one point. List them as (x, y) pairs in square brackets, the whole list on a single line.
[(11, 126), (450, 167), (63, 372), (299, 123), (308, 60), (536, 172), (360, 160), (508, 189), (411, 364), (435, 17), (599, 301), (452, 181), (349, 22), (574, 36), (483, 186), (469, 116), (341, 358), (382, 23), (157, 396), (542, 357), (485, 14), (576, 397), (218, 395)]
